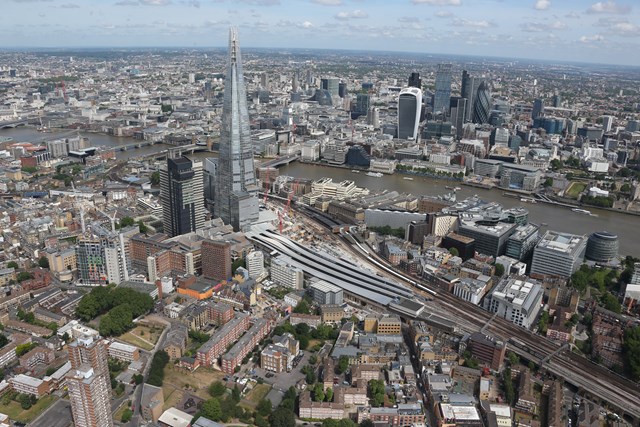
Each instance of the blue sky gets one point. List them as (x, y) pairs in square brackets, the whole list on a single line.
[(606, 31)]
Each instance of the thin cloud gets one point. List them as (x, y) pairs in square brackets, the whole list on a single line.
[(590, 39), (439, 2), (155, 2), (444, 14), (69, 6), (356, 14), (609, 7), (408, 19), (542, 4), (474, 24), (328, 2), (261, 2)]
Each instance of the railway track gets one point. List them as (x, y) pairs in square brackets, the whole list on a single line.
[(592, 378)]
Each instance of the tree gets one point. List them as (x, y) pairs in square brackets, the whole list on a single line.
[(328, 395), (235, 393), (24, 275), (318, 393), (217, 389), (43, 262), (142, 227), (211, 409), (155, 178), (12, 264), (499, 269), (376, 392), (137, 379), (25, 401), (282, 417), (302, 308), (304, 342), (343, 364), (513, 358), (127, 221), (454, 251), (610, 302), (264, 408), (25, 348), (548, 182), (631, 352), (507, 382), (156, 371), (366, 423), (126, 415)]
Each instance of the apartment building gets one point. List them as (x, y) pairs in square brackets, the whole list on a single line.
[(228, 334)]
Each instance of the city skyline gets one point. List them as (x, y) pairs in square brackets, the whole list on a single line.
[(580, 30)]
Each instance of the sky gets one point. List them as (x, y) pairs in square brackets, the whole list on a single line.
[(606, 31)]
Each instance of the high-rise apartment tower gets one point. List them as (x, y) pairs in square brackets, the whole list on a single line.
[(89, 384)]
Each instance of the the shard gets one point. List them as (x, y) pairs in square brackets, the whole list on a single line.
[(236, 200)]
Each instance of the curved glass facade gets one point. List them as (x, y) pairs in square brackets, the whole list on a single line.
[(602, 246), (482, 107)]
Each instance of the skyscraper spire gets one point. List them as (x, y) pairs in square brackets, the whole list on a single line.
[(235, 193)]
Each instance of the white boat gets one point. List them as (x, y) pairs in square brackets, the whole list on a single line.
[(408, 178), (354, 171), (374, 174), (582, 211)]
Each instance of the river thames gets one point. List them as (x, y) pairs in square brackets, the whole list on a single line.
[(627, 227)]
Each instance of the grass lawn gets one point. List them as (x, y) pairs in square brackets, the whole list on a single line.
[(575, 189), (15, 411), (177, 380), (118, 414), (143, 336), (252, 398)]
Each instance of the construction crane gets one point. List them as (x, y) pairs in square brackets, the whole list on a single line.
[(280, 221), (111, 219)]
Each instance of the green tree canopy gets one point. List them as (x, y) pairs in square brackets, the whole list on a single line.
[(43, 262), (282, 417)]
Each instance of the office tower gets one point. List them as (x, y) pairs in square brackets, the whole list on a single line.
[(409, 107), (607, 123), (558, 254), (415, 80), (517, 299), (216, 260), (236, 190), (538, 108), (487, 350), (557, 101), (332, 84), (295, 83), (342, 89), (500, 137), (458, 108), (255, 264), (373, 117), (482, 107), (363, 101), (469, 92), (89, 384), (182, 196), (443, 90), (209, 174)]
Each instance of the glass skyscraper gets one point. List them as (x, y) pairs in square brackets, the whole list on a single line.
[(482, 106), (409, 107), (181, 196), (236, 200), (443, 90)]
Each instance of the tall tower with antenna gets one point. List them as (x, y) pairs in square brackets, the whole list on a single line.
[(236, 191)]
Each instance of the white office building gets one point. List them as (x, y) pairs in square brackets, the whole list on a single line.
[(517, 299), (284, 274)]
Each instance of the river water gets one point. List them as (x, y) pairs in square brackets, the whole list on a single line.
[(28, 134), (627, 227)]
